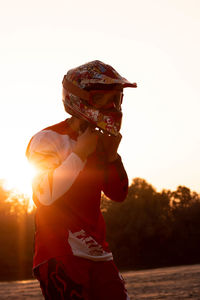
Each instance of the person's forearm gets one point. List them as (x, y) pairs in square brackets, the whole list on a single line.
[(51, 186), (116, 181)]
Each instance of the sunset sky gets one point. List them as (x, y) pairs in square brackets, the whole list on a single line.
[(155, 43)]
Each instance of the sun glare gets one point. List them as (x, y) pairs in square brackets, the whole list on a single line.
[(20, 179)]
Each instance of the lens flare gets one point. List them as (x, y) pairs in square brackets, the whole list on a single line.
[(20, 179)]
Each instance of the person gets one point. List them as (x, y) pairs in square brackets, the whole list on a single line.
[(77, 160)]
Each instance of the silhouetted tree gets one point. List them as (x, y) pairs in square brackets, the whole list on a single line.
[(16, 235), (150, 228)]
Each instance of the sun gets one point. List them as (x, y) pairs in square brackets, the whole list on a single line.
[(20, 179)]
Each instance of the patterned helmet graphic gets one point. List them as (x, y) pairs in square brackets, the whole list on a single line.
[(96, 72), (78, 101)]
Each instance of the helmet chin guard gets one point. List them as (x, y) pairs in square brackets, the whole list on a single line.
[(82, 83)]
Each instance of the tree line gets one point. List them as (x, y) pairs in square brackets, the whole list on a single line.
[(16, 235), (153, 229), (149, 229)]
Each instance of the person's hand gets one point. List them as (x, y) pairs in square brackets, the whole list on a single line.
[(86, 143), (110, 144)]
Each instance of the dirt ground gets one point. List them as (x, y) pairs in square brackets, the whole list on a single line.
[(165, 283)]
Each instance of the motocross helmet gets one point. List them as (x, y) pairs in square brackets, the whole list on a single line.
[(94, 92)]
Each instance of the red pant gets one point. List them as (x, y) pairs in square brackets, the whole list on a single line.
[(75, 278)]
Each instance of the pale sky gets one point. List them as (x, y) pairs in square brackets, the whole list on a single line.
[(155, 43)]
